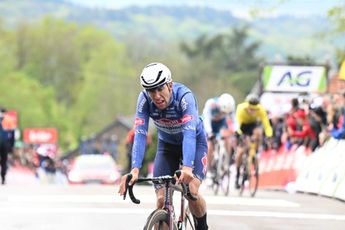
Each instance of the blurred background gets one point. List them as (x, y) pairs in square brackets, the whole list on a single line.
[(69, 68)]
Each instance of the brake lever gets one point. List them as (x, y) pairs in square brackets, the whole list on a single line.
[(128, 179), (185, 188)]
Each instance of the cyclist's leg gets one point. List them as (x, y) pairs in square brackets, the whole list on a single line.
[(166, 163), (225, 133), (198, 207), (210, 150)]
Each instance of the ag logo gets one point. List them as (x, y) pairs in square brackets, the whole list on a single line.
[(301, 79)]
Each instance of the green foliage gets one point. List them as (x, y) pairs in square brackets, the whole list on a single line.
[(228, 62), (69, 77), (106, 82), (337, 15), (35, 104), (294, 60), (79, 78), (48, 52), (162, 24), (7, 56)]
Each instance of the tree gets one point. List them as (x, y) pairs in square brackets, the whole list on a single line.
[(337, 15), (35, 104), (294, 60), (48, 52), (228, 62), (230, 51), (81, 77)]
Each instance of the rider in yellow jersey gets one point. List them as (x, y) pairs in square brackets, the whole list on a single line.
[(250, 115)]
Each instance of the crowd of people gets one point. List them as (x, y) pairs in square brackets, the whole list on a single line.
[(310, 121)]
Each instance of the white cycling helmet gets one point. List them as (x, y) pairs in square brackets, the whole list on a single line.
[(154, 75), (226, 103)]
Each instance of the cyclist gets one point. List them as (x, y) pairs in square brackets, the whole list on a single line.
[(217, 114), (250, 115), (181, 135)]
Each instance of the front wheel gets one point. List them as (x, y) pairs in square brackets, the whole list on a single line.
[(215, 177), (225, 182), (243, 176), (253, 176), (249, 176), (158, 220)]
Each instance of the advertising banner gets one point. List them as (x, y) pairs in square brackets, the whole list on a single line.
[(286, 78), (40, 136)]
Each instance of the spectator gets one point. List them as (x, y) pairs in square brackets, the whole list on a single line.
[(6, 143), (338, 130), (303, 135), (277, 123), (318, 123), (291, 122), (333, 114)]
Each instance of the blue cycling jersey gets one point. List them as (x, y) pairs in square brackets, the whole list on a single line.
[(178, 124)]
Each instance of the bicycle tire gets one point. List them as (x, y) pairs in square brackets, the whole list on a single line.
[(225, 178), (215, 183), (225, 182), (217, 161), (188, 220), (158, 218), (243, 174), (253, 176)]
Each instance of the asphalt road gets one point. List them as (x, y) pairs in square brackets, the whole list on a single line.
[(35, 206)]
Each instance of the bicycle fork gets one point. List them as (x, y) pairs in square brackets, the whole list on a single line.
[(168, 204), (182, 216)]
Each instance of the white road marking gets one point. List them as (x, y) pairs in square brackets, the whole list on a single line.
[(287, 215), (214, 212), (145, 199)]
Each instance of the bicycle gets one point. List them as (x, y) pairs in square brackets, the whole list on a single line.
[(163, 217), (221, 164), (249, 168)]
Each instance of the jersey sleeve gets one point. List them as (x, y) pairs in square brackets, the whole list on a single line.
[(239, 118), (265, 121), (141, 129), (206, 113), (190, 120)]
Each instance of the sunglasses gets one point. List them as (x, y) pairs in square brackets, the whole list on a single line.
[(158, 88)]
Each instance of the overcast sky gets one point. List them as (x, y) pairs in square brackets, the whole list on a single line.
[(237, 7)]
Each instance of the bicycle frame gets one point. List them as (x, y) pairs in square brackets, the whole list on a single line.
[(221, 166), (169, 186), (168, 203)]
